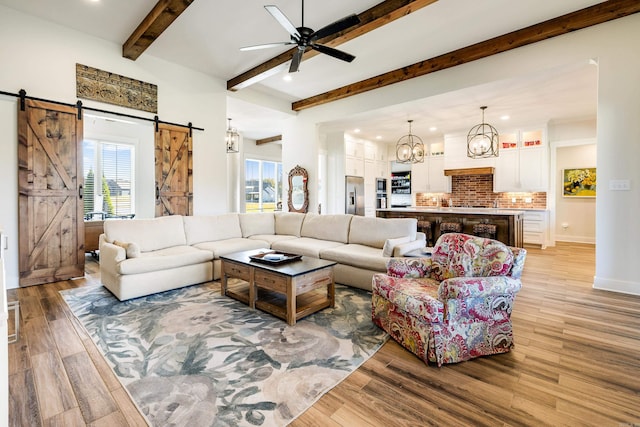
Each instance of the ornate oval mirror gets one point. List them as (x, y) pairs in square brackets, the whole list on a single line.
[(298, 192)]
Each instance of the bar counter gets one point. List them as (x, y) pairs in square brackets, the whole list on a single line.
[(509, 222)]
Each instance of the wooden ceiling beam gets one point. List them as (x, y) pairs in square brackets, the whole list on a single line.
[(161, 16), (270, 139), (370, 19), (593, 15)]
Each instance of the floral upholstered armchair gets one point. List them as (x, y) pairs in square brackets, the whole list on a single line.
[(455, 305)]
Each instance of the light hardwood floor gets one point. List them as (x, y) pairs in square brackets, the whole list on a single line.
[(576, 363)]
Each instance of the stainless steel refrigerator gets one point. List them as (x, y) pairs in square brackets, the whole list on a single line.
[(354, 192)]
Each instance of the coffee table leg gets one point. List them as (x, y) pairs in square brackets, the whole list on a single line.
[(253, 288), (223, 280), (331, 291), (291, 302)]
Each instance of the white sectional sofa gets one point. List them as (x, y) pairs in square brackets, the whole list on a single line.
[(143, 256)]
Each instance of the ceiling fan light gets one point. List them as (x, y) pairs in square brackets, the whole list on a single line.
[(482, 140)]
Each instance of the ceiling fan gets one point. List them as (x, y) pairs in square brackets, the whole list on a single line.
[(306, 38)]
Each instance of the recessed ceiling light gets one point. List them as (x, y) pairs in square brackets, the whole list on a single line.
[(505, 117), (378, 137), (356, 130), (433, 128), (287, 77)]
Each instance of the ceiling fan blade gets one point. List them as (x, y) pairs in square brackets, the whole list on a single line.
[(265, 46), (295, 61), (283, 20), (339, 25), (333, 52)]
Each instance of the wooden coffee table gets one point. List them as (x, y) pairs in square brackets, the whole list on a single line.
[(289, 291)]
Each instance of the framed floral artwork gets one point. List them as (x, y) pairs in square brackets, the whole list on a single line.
[(579, 182)]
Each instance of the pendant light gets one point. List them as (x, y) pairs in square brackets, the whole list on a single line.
[(232, 139), (482, 140), (410, 148)]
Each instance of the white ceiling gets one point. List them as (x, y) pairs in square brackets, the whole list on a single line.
[(209, 34)]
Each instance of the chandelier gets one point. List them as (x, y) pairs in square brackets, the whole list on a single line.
[(232, 139), (410, 148), (482, 140)]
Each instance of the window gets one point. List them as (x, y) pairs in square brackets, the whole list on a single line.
[(263, 185), (108, 179)]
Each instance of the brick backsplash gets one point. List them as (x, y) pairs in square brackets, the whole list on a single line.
[(477, 191)]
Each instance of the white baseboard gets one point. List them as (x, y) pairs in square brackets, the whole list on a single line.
[(575, 239), (622, 286)]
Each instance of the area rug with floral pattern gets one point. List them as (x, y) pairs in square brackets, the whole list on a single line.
[(191, 357)]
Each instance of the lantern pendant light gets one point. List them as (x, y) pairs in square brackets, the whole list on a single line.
[(482, 140)]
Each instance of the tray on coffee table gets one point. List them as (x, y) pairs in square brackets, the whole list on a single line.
[(275, 258)]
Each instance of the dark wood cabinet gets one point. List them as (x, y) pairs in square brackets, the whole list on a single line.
[(509, 223)]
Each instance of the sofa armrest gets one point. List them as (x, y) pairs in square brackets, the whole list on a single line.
[(477, 287), (409, 267), (403, 248), (111, 255)]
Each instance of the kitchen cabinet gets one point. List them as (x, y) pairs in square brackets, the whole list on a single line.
[(369, 188), (428, 177), (523, 163), (354, 166), (354, 157), (536, 226), (455, 147)]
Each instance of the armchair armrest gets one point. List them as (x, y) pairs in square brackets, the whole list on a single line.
[(409, 267), (477, 287)]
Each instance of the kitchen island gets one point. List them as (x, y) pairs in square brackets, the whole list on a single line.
[(509, 222)]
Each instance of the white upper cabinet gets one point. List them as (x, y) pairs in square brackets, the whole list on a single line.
[(523, 163), (428, 177), (455, 148)]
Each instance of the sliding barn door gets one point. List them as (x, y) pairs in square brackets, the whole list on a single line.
[(174, 166), (51, 227)]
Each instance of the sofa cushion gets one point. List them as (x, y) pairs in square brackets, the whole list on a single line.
[(271, 238), (211, 228), (289, 223), (360, 256), (149, 234), (304, 246), (257, 223), (164, 259), (327, 227), (390, 245), (375, 231), (228, 246)]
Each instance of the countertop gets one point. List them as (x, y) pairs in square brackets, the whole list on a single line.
[(465, 211)]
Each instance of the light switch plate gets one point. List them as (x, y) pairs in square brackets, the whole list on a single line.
[(619, 184)]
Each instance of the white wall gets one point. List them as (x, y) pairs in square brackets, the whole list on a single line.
[(577, 214), (40, 57), (611, 44)]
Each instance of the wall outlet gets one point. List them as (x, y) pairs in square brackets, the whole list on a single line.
[(513, 200), (527, 200)]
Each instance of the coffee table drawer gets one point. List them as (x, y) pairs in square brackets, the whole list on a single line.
[(270, 281), (239, 271)]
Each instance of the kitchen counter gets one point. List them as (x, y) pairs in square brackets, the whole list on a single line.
[(461, 210), (510, 223)]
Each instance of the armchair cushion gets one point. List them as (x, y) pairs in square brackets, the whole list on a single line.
[(415, 296)]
